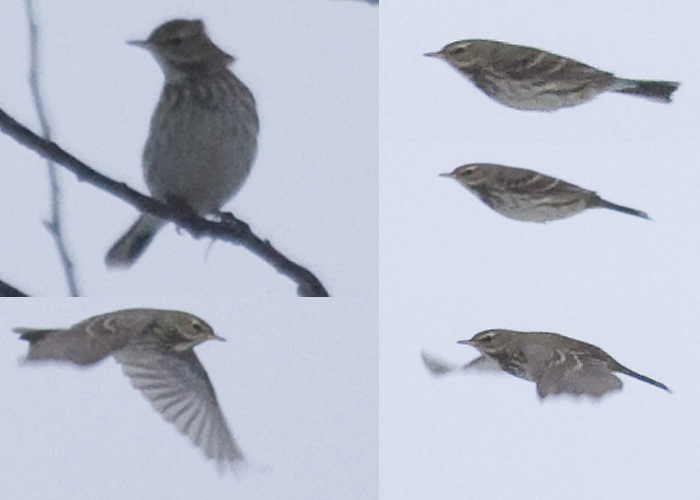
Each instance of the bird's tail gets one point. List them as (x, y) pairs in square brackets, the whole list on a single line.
[(620, 208), (655, 90), (38, 350), (641, 377), (129, 247), (32, 335)]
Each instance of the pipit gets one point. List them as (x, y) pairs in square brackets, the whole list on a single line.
[(203, 135), (526, 195), (155, 349), (531, 79), (557, 364)]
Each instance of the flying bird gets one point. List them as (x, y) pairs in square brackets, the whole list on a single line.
[(155, 349), (535, 80), (557, 364), (526, 195)]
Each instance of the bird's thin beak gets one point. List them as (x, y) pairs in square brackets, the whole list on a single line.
[(434, 54), (214, 336), (138, 43), (465, 342), (448, 174)]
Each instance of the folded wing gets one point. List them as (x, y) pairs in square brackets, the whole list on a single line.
[(578, 375)]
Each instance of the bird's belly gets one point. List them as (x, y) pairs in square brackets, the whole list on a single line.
[(539, 95), (203, 158), (529, 209)]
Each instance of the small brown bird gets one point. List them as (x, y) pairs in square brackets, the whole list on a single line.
[(203, 135), (526, 195), (155, 349), (557, 364), (531, 79)]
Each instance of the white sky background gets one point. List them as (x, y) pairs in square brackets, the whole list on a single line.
[(312, 66), (451, 267), (296, 381)]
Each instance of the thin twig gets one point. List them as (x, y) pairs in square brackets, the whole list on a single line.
[(55, 225), (228, 229)]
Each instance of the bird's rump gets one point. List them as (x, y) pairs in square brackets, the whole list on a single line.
[(84, 343)]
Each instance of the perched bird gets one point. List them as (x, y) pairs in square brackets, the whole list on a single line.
[(557, 364), (526, 195), (203, 134), (531, 79), (155, 349)]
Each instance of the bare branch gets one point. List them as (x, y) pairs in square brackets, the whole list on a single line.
[(10, 291), (228, 229), (55, 225)]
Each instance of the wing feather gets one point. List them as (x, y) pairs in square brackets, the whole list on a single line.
[(578, 374), (178, 387)]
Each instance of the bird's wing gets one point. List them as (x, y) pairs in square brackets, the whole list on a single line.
[(483, 364), (577, 374), (179, 388), (529, 64), (438, 366), (536, 184)]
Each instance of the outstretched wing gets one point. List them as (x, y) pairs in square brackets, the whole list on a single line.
[(179, 388), (438, 366)]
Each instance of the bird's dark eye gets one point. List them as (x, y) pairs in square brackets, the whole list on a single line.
[(176, 41), (458, 50), (197, 327), (487, 337)]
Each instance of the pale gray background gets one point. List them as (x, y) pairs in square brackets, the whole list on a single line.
[(451, 267), (312, 66), (295, 379)]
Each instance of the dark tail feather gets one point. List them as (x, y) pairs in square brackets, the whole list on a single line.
[(654, 90), (130, 246), (626, 210), (648, 380), (31, 335)]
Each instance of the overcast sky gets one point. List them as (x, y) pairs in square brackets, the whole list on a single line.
[(312, 66), (451, 267)]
